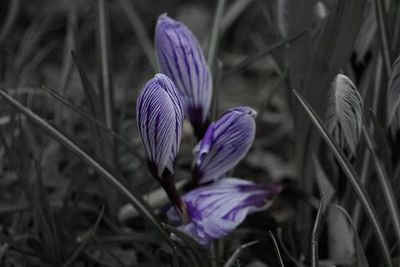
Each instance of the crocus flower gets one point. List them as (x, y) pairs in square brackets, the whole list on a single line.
[(224, 144), (217, 209), (181, 58), (159, 117)]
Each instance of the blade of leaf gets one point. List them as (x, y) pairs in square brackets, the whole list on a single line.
[(380, 17), (315, 234), (140, 32), (215, 35), (198, 251), (278, 253), (237, 252), (98, 123), (387, 189), (10, 19), (259, 55), (100, 167), (361, 258), (353, 178)]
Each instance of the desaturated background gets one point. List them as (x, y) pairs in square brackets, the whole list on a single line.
[(36, 61)]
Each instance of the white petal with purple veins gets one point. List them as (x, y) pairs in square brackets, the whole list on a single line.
[(159, 118), (232, 136), (181, 58), (217, 209)]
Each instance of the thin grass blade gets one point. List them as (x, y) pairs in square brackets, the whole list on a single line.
[(259, 55), (199, 252), (353, 178), (12, 14), (384, 180), (140, 32), (315, 234), (277, 251), (361, 258), (237, 252), (100, 167)]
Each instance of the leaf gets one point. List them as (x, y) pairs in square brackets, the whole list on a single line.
[(345, 113), (277, 251), (237, 252), (315, 234), (199, 252), (361, 258), (393, 98), (352, 177), (105, 172)]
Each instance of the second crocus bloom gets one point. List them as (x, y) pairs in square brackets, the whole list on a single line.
[(224, 144), (181, 58)]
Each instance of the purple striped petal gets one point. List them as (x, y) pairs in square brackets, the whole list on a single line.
[(159, 115), (225, 143), (217, 209), (181, 58)]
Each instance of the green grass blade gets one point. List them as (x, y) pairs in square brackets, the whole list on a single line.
[(237, 252), (387, 188), (315, 234), (140, 32), (101, 168), (353, 178)]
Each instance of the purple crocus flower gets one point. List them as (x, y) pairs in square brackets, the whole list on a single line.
[(181, 58), (159, 117), (217, 209), (224, 144)]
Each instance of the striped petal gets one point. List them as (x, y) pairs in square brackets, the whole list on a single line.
[(159, 115), (217, 209), (181, 58), (225, 143)]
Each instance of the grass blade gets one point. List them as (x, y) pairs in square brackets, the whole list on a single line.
[(233, 12), (199, 252), (92, 95), (215, 35), (387, 188), (278, 253), (140, 32), (237, 252), (379, 11), (353, 178), (258, 55), (101, 168), (315, 233), (105, 75), (9, 21), (361, 258), (98, 123)]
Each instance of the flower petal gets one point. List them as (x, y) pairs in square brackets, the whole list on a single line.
[(181, 58), (232, 136), (219, 208), (159, 118)]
